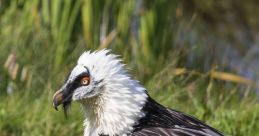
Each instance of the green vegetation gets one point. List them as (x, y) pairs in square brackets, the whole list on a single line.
[(41, 40)]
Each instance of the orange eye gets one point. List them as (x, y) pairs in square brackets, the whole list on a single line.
[(85, 81)]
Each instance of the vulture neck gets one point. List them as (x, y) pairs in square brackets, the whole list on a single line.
[(116, 110)]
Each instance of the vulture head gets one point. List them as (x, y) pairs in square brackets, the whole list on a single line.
[(111, 100)]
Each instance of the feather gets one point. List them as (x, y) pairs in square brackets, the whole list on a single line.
[(167, 122)]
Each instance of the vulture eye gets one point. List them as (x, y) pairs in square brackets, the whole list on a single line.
[(85, 80)]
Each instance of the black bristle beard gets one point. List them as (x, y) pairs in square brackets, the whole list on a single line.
[(66, 106)]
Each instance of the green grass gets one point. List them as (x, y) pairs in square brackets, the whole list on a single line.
[(47, 37)]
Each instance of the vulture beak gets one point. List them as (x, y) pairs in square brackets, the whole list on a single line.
[(62, 97), (57, 99)]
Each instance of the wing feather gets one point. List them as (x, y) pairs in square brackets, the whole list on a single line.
[(161, 121)]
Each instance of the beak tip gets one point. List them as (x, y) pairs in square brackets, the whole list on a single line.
[(55, 106)]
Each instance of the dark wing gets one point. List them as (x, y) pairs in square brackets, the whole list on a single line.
[(161, 121)]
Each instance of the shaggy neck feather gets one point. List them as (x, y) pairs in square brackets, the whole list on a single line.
[(116, 110)]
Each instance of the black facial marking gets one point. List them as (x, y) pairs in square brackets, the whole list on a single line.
[(98, 82), (69, 88), (72, 85), (87, 70), (68, 92), (81, 76)]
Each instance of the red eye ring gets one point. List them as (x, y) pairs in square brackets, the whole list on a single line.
[(85, 81)]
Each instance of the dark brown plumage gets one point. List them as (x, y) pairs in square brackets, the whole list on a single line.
[(167, 122)]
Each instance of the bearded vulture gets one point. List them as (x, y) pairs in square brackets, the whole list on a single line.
[(117, 105)]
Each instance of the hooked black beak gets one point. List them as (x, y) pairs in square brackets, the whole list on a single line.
[(61, 97)]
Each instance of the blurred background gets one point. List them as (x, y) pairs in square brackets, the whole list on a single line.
[(197, 56)]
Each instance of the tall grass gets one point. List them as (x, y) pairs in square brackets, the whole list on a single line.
[(41, 40)]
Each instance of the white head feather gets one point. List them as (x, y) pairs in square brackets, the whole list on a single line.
[(116, 106)]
